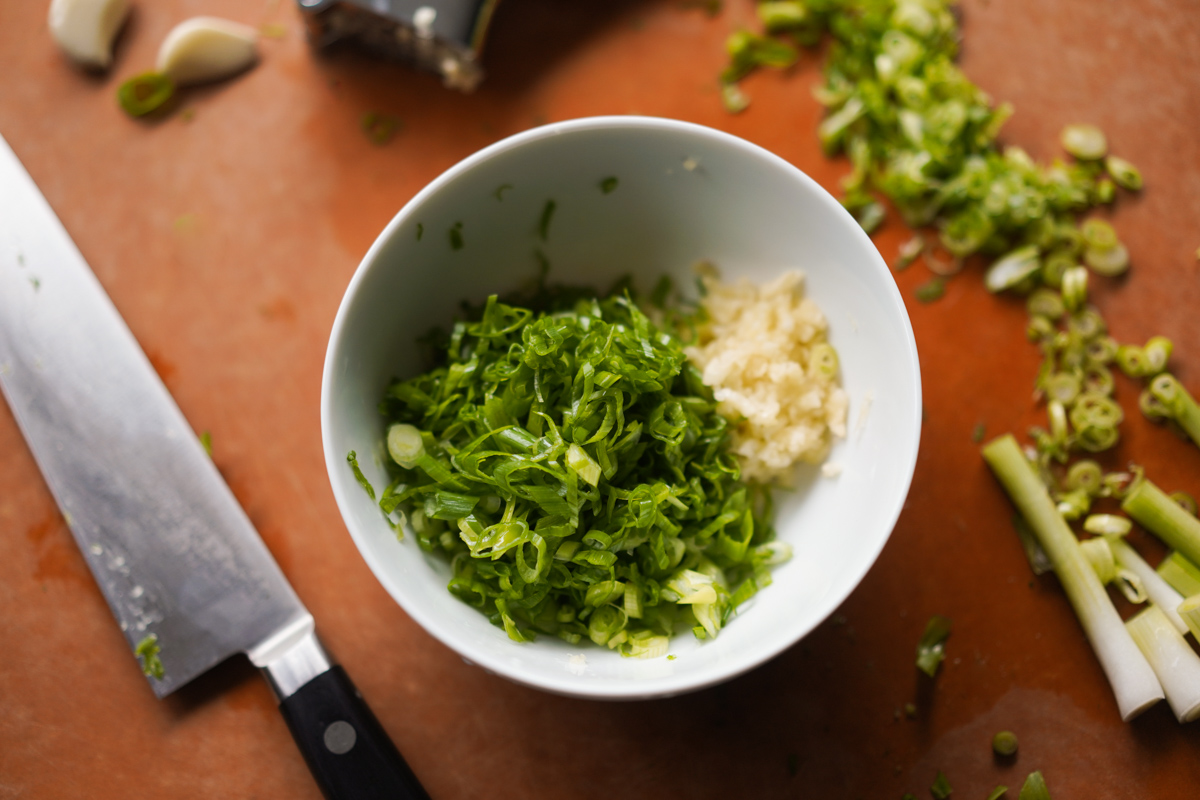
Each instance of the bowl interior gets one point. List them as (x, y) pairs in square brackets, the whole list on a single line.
[(682, 193)]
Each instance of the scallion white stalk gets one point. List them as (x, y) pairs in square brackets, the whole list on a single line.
[(1133, 681), (1172, 658), (1159, 591), (1189, 612), (1157, 512)]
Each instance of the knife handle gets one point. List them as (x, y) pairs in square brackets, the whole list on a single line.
[(346, 748)]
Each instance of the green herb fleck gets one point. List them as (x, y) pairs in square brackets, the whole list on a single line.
[(910, 710), (35, 283), (420, 231), (1004, 744), (456, 237), (544, 221), (352, 458), (609, 184), (185, 223), (500, 190), (672, 657), (147, 651), (931, 649), (206, 442), (379, 127), (931, 290), (733, 98), (997, 793), (908, 252), (941, 787), (1034, 788), (145, 93), (978, 432)]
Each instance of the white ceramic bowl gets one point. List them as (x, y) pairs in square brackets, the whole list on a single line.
[(684, 193)]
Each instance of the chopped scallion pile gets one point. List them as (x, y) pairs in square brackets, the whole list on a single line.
[(573, 468)]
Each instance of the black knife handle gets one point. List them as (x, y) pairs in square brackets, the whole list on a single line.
[(349, 753)]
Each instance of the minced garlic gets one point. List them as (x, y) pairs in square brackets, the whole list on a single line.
[(764, 353)]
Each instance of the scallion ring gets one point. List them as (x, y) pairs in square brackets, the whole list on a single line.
[(144, 93)]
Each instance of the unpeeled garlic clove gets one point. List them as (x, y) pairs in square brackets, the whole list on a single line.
[(204, 49), (85, 29)]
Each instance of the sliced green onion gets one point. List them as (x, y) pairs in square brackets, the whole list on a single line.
[(1110, 263), (1161, 593), (1189, 612), (1182, 575), (782, 16), (1133, 682), (908, 252), (931, 290), (1046, 303), (1158, 353), (1085, 474), (1013, 268), (352, 458), (609, 184), (379, 128), (144, 93), (1132, 360), (583, 464), (1085, 142), (1074, 288), (931, 649), (1074, 504), (404, 445), (1004, 744), (147, 651), (1107, 525), (998, 792), (1183, 407), (1125, 174), (1034, 788), (1100, 556), (1162, 516), (1098, 234), (941, 787), (1172, 658), (733, 98)]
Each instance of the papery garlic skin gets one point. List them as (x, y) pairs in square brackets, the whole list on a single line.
[(204, 49), (85, 29)]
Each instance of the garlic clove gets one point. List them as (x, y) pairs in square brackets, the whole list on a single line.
[(85, 29), (204, 49)]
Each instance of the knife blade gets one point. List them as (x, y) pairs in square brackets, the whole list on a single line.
[(174, 554)]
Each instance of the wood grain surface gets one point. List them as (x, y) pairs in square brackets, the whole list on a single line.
[(225, 234)]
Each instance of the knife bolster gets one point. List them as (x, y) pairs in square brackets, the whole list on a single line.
[(304, 660)]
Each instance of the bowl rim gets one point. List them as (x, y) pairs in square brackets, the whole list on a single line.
[(663, 686)]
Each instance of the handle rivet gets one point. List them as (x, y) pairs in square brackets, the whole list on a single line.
[(340, 737)]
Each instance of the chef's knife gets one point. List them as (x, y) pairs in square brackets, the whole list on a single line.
[(172, 551)]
